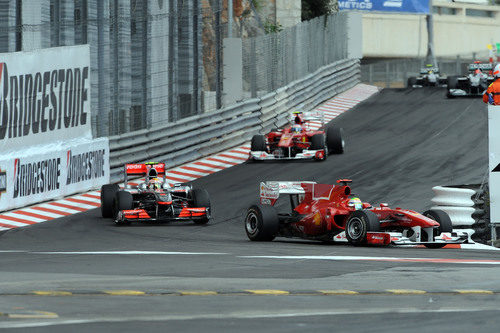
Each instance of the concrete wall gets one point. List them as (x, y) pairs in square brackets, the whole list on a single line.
[(288, 12), (402, 35)]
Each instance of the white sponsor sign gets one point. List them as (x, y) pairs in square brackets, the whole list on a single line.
[(494, 162), (31, 178), (44, 96)]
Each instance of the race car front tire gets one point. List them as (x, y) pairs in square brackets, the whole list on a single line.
[(451, 83), (261, 223), (334, 140), (258, 143), (123, 201), (318, 143), (445, 225), (201, 199), (411, 81), (108, 193), (358, 224)]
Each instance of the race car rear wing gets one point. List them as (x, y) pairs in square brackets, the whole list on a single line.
[(270, 191), (486, 67), (309, 116), (425, 70), (148, 169)]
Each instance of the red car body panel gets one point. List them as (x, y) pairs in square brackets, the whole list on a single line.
[(324, 211)]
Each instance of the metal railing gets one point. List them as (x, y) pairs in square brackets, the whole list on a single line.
[(211, 132)]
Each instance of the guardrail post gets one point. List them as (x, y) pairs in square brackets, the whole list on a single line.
[(387, 80), (370, 70), (253, 68)]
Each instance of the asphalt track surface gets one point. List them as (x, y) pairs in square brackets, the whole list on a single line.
[(75, 274)]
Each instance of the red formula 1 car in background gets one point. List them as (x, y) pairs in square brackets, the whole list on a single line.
[(330, 213), (298, 140), (154, 199)]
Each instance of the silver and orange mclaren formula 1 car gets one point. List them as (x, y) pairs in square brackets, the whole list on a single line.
[(154, 199)]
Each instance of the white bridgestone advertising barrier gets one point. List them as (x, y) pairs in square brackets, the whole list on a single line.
[(494, 163), (46, 144)]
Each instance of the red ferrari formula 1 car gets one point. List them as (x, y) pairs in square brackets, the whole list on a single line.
[(298, 141), (330, 213), (154, 199)]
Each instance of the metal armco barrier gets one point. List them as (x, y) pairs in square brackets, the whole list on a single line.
[(198, 136)]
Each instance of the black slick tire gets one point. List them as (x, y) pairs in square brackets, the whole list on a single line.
[(108, 193), (201, 199), (261, 223), (123, 201), (411, 82), (358, 224), (334, 140), (445, 225), (258, 143), (318, 143), (451, 83)]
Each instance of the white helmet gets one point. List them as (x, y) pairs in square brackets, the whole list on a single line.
[(496, 71)]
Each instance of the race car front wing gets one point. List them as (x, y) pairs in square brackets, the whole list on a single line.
[(305, 154), (140, 215), (397, 238)]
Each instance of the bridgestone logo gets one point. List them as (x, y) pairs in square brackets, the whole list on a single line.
[(41, 102), (36, 177), (85, 166)]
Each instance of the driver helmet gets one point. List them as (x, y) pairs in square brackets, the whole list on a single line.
[(154, 184), (356, 203), (496, 71), (296, 128)]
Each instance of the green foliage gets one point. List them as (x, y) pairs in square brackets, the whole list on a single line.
[(271, 27), (315, 8), (257, 4)]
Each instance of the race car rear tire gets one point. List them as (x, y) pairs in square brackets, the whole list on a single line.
[(334, 140), (108, 193), (201, 199), (123, 201), (261, 223), (412, 80), (258, 143), (358, 224), (445, 225)]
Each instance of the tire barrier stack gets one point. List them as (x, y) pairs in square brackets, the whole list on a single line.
[(198, 136), (467, 208)]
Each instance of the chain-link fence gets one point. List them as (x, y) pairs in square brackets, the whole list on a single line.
[(272, 61), (146, 56), (155, 62)]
